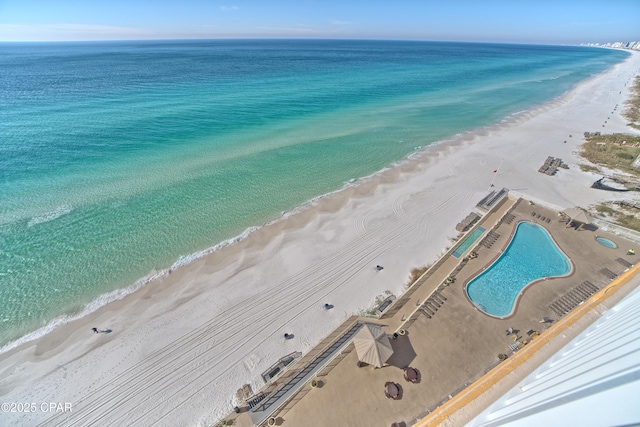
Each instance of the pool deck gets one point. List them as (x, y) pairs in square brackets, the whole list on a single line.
[(455, 344)]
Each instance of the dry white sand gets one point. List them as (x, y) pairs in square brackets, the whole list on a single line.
[(182, 346)]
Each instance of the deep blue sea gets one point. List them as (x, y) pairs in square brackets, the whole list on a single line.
[(121, 158)]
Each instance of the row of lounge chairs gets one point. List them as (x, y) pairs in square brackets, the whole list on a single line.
[(573, 298), (610, 274), (490, 239), (432, 304), (624, 262), (540, 217), (508, 218)]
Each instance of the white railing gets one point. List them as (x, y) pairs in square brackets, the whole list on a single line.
[(618, 230)]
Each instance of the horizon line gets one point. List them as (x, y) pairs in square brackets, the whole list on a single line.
[(583, 44)]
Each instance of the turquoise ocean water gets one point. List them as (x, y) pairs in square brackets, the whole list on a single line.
[(124, 157)]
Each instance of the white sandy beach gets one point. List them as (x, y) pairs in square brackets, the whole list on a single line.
[(182, 346)]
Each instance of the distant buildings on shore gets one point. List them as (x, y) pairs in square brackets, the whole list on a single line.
[(616, 45)]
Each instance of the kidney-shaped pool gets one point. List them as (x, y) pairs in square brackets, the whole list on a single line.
[(531, 255)]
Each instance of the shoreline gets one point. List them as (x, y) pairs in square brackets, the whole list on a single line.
[(375, 211), (183, 261)]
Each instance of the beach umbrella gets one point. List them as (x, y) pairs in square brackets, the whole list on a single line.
[(372, 345), (578, 215)]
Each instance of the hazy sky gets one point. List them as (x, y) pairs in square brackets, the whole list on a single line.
[(516, 21)]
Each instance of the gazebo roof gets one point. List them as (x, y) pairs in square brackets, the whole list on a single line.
[(578, 215), (372, 345)]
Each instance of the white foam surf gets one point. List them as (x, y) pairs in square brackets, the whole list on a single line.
[(49, 216)]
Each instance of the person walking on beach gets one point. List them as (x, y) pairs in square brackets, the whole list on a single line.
[(95, 330)]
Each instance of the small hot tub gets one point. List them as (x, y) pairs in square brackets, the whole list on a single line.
[(606, 242)]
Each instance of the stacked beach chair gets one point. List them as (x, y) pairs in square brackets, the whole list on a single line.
[(551, 165)]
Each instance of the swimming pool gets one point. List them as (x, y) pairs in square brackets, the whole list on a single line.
[(531, 255), (606, 242)]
